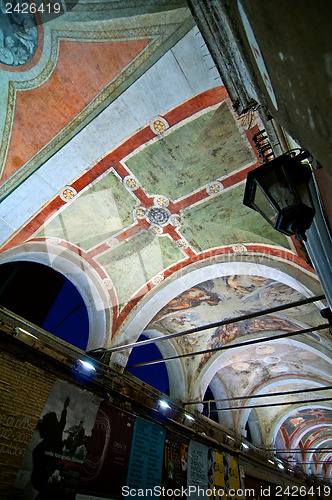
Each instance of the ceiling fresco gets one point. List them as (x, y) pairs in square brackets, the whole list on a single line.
[(123, 167), (84, 70), (143, 214), (300, 420), (225, 298)]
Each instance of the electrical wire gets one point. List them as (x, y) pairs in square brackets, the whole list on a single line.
[(256, 396), (232, 346), (288, 403), (217, 324), (68, 315)]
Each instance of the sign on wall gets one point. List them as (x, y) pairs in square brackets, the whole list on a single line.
[(175, 463), (53, 463), (197, 476), (212, 474), (108, 450), (145, 464)]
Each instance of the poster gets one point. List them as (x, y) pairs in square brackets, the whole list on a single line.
[(146, 456), (231, 475), (223, 475), (108, 450), (197, 476), (215, 471), (175, 463), (53, 463)]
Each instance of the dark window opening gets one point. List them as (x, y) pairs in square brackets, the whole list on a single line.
[(45, 298), (248, 438), (154, 375), (209, 409)]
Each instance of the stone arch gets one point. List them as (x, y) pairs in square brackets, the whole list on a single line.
[(219, 360), (270, 384), (81, 274), (176, 378), (319, 441), (269, 267), (275, 428), (218, 390)]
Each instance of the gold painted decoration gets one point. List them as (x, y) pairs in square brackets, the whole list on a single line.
[(108, 283), (68, 193), (239, 248), (157, 279), (214, 188), (159, 125), (130, 183)]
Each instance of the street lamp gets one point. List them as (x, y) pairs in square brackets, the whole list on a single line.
[(278, 190)]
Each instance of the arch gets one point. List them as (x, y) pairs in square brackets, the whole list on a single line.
[(219, 392), (318, 442), (267, 386), (308, 428), (273, 432), (45, 298), (201, 271), (219, 360), (80, 273), (323, 460), (176, 378)]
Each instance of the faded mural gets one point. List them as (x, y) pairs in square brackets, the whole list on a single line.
[(226, 298)]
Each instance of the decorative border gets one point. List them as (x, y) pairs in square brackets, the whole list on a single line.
[(158, 35)]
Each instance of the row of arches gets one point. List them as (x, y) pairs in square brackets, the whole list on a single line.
[(235, 372)]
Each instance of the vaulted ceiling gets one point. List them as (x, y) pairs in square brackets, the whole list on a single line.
[(123, 167)]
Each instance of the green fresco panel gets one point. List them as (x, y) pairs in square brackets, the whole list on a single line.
[(100, 211), (195, 154), (224, 220), (138, 260)]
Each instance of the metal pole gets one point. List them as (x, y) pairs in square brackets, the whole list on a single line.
[(232, 346), (300, 391), (289, 403), (218, 323)]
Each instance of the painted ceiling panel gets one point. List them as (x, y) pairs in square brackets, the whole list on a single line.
[(232, 296), (208, 147), (228, 297), (224, 220), (109, 208), (103, 209), (80, 74), (143, 257), (301, 418), (127, 160)]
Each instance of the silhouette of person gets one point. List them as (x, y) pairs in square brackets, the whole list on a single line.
[(44, 459)]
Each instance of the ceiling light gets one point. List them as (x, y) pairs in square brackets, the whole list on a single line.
[(271, 462), (189, 417), (281, 466), (20, 330), (245, 446), (87, 365), (164, 405)]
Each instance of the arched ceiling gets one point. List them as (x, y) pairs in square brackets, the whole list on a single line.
[(121, 155)]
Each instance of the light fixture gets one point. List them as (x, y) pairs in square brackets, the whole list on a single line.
[(278, 190), (280, 466), (245, 446), (271, 462), (20, 330), (87, 366), (189, 417), (164, 405)]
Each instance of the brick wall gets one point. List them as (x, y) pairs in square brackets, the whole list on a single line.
[(24, 391)]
